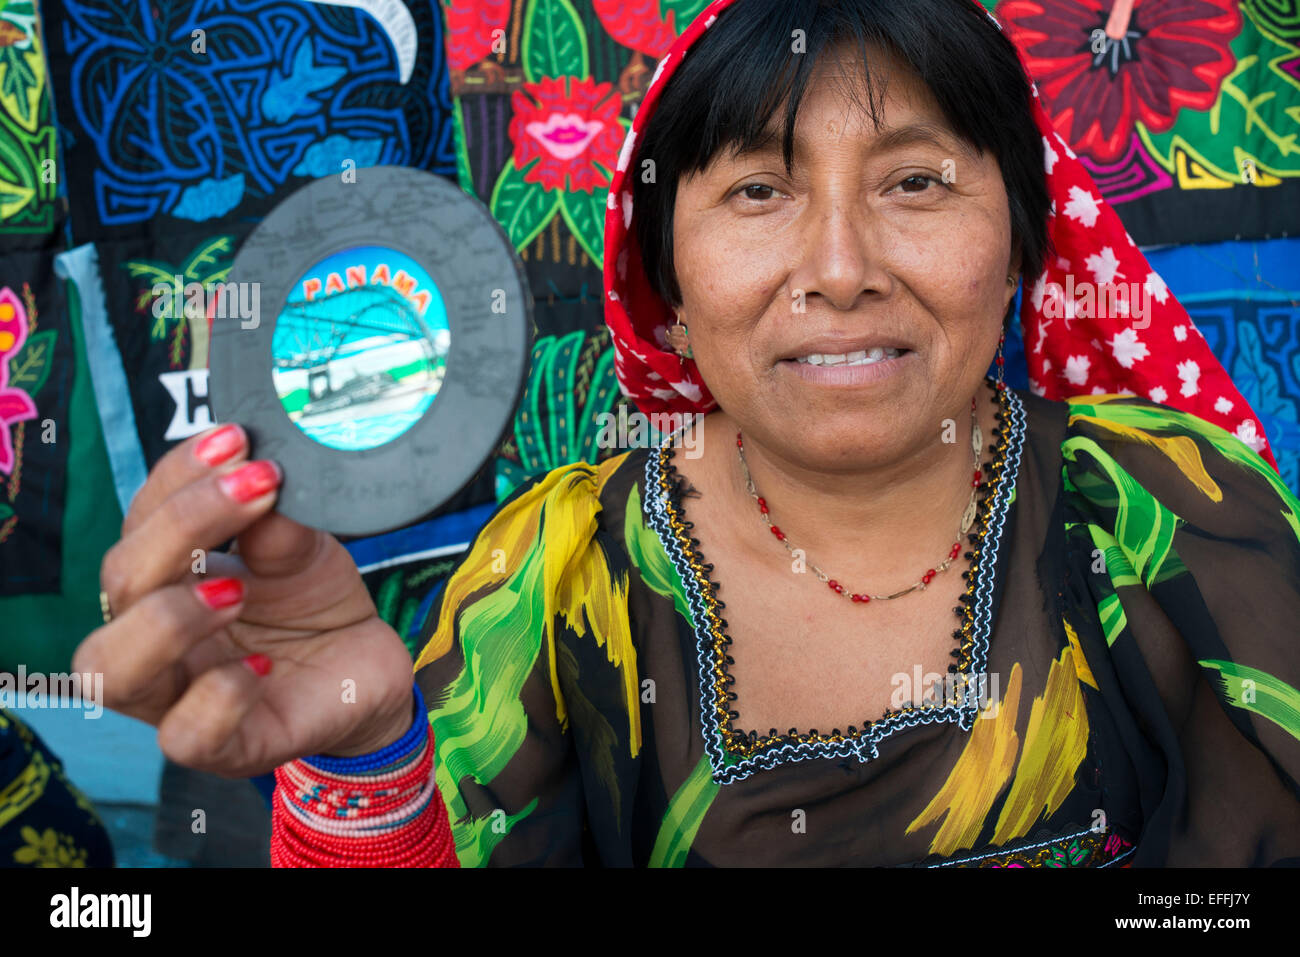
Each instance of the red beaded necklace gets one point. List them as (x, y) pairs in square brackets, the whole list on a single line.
[(968, 519)]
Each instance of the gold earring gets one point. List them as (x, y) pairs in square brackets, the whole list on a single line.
[(682, 354)]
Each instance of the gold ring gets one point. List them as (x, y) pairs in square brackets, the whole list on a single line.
[(103, 606)]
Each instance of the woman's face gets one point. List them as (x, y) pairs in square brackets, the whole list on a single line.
[(891, 237)]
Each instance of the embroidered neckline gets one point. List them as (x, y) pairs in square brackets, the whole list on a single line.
[(734, 756)]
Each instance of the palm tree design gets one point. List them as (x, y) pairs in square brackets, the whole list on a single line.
[(570, 383), (207, 264)]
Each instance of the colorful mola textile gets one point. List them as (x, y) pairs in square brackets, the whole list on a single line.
[(1186, 114), (1245, 300), (545, 90), (187, 122), (61, 491), (28, 180), (36, 369), (181, 125), (52, 466), (35, 345), (178, 113)]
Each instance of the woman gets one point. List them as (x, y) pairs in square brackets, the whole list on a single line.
[(963, 624)]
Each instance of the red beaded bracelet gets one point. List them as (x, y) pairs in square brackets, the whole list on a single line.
[(322, 820), (427, 842), (424, 842), (332, 798)]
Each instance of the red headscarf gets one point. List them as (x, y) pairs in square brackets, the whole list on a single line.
[(1162, 358)]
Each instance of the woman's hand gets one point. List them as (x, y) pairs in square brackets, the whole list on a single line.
[(175, 653)]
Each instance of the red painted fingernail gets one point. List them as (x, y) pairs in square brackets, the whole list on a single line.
[(251, 481), (259, 664), (220, 592), (220, 445)]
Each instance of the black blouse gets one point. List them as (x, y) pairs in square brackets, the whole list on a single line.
[(1125, 692)]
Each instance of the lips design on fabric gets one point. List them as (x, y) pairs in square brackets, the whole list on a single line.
[(1069, 351)]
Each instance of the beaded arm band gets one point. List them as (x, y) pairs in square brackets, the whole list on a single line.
[(374, 810)]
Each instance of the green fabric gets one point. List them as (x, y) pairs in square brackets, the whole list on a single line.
[(42, 631)]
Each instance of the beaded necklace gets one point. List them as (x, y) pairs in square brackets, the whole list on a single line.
[(968, 519)]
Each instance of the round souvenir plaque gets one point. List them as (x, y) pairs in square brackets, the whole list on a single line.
[(385, 350)]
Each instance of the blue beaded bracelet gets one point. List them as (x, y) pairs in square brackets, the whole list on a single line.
[(377, 761)]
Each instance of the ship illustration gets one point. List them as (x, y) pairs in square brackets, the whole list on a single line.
[(362, 352)]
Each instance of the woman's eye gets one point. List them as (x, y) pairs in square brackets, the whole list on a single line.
[(916, 184), (745, 191)]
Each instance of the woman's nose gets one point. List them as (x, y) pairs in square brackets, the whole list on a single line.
[(840, 258)]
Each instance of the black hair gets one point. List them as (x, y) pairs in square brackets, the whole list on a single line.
[(746, 65)]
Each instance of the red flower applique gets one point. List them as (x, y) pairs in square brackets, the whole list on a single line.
[(15, 404), (570, 131), (1101, 70)]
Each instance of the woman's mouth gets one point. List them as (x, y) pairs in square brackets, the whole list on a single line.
[(862, 367), (860, 358)]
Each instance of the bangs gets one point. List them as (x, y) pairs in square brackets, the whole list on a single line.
[(763, 74), (763, 65)]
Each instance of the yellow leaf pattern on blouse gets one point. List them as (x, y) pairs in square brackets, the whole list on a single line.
[(589, 596), (1182, 450), (559, 513), (1080, 662), (980, 774), (1055, 744), (514, 531)]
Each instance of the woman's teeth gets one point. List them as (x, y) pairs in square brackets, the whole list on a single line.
[(850, 358)]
